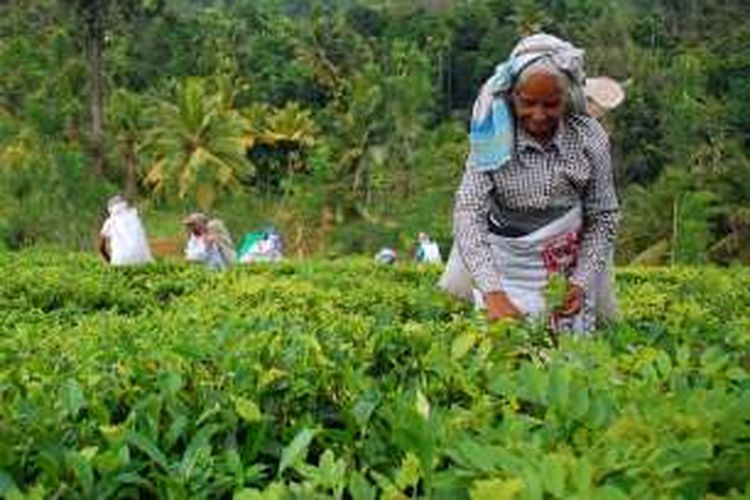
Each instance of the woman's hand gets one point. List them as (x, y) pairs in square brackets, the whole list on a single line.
[(499, 307), (573, 300)]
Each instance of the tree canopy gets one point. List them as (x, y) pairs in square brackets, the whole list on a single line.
[(344, 121)]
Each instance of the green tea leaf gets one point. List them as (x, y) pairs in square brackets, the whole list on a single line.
[(6, 483), (199, 447), (296, 449), (171, 382), (247, 409), (112, 459), (365, 407), (471, 454), (176, 430), (578, 400), (82, 470), (609, 493), (533, 383), (555, 292), (496, 489), (145, 445), (421, 405), (72, 397), (360, 488), (559, 386), (463, 344), (553, 476), (331, 471), (409, 472)]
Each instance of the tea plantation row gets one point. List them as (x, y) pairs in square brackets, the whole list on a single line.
[(346, 380)]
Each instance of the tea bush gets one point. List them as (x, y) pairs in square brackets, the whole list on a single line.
[(346, 380)]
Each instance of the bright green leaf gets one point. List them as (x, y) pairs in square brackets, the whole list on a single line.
[(247, 409), (463, 344), (496, 489), (296, 449)]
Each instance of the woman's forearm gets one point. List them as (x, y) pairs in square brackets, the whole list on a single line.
[(470, 230)]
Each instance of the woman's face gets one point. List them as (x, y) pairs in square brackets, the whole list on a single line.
[(539, 104), (197, 229)]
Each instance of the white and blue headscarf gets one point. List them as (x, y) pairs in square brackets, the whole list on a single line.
[(491, 135)]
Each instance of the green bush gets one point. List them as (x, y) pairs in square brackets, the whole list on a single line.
[(343, 379)]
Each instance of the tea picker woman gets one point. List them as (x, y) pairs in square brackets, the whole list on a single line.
[(537, 198), (122, 239), (209, 242)]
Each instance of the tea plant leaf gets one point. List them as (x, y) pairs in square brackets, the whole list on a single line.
[(82, 470), (533, 383), (255, 472), (496, 489), (463, 344), (296, 449), (388, 489), (145, 445), (330, 473), (409, 473), (113, 459), (6, 483), (485, 458), (176, 430), (559, 385), (247, 409), (72, 397), (421, 405), (360, 488), (199, 448), (553, 476), (365, 407), (609, 493), (578, 400)]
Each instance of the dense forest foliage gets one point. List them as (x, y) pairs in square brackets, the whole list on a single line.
[(343, 121)]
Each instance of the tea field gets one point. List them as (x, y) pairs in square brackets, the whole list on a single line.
[(345, 380)]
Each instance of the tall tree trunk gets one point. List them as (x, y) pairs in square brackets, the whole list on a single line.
[(131, 168), (94, 14)]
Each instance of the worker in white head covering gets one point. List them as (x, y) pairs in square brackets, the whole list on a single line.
[(122, 239), (428, 251), (520, 218), (209, 242)]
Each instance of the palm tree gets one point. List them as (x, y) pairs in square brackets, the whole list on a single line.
[(196, 142)]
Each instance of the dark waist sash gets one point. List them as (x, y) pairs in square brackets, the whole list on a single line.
[(514, 224)]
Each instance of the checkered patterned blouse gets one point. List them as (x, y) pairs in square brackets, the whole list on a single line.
[(574, 168)]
